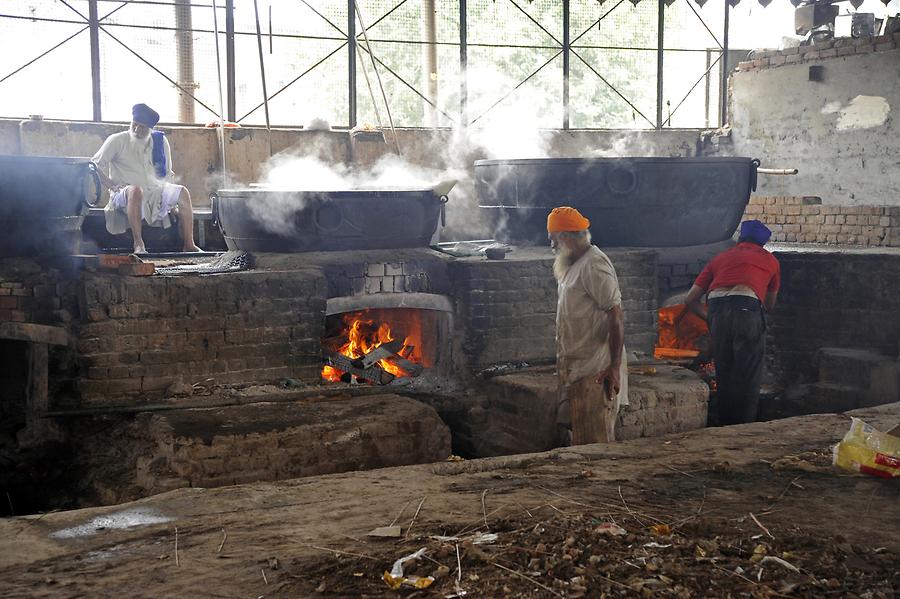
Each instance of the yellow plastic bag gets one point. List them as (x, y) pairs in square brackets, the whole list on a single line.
[(867, 450)]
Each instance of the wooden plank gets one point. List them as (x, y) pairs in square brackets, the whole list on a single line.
[(137, 269), (381, 352), (345, 364), (37, 401), (411, 368), (35, 333)]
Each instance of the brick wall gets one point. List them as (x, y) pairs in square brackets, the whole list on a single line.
[(39, 293), (139, 335), (508, 307), (678, 267), (769, 59), (840, 298), (806, 220)]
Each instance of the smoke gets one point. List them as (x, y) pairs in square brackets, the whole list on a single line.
[(511, 128), (523, 124), (307, 173)]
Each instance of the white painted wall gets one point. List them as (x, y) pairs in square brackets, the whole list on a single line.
[(842, 133)]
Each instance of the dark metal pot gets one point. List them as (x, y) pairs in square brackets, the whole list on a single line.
[(266, 220), (43, 202), (642, 202)]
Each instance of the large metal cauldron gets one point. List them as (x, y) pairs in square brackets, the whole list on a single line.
[(643, 202), (268, 220), (43, 202)]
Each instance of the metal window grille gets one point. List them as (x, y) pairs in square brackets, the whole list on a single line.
[(570, 63)]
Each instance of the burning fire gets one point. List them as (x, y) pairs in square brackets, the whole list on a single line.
[(364, 333), (680, 331), (683, 336)]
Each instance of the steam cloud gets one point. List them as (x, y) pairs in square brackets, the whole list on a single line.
[(509, 130)]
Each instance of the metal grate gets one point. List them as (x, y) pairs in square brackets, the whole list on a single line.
[(224, 263), (510, 53)]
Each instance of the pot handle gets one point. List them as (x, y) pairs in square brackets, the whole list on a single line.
[(214, 208), (444, 200), (754, 164), (98, 188)]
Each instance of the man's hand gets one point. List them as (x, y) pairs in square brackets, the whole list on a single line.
[(611, 381), (692, 302)]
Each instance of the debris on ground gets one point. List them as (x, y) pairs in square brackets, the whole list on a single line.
[(579, 555), (869, 451)]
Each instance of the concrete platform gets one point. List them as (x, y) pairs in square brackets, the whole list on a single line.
[(268, 441), (227, 536)]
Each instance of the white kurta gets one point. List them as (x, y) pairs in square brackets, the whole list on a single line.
[(586, 294), (129, 161)]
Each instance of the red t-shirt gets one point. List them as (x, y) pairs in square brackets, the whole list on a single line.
[(744, 264)]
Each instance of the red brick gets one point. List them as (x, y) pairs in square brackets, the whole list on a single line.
[(846, 50), (8, 303), (140, 269)]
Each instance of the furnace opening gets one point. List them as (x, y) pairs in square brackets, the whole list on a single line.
[(684, 340), (378, 346)]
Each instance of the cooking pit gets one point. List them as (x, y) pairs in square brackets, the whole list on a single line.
[(380, 345)]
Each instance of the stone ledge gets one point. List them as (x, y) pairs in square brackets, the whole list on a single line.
[(210, 447), (672, 400)]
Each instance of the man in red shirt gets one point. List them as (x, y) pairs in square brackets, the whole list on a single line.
[(741, 285)]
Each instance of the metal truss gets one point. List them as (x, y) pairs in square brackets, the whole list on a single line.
[(350, 41)]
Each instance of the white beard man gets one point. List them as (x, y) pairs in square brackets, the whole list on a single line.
[(137, 170), (590, 330)]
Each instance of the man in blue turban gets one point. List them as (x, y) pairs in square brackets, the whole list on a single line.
[(741, 285), (136, 166)]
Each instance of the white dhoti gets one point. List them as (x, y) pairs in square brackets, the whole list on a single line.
[(157, 203)]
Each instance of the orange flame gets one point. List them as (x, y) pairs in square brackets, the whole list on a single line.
[(679, 332), (363, 336)]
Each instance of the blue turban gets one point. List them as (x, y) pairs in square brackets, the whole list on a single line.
[(143, 114), (755, 231)]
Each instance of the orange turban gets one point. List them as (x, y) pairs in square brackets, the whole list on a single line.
[(565, 218)]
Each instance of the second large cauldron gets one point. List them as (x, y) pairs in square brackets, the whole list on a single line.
[(641, 202), (43, 202), (270, 220)]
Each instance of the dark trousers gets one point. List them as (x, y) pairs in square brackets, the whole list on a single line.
[(738, 328)]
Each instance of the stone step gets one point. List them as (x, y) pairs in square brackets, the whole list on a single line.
[(828, 398), (214, 447), (848, 366), (518, 410)]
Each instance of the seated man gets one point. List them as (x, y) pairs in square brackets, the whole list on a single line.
[(136, 166)]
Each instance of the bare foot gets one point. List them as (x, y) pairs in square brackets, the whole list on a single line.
[(140, 249), (191, 248)]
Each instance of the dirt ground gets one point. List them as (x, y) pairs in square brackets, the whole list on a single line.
[(749, 511)]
